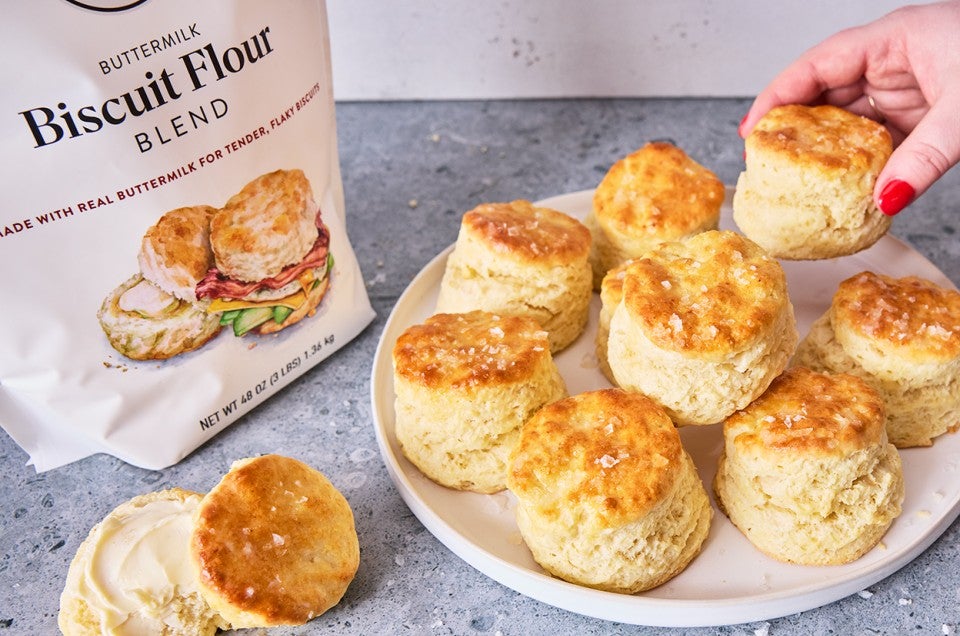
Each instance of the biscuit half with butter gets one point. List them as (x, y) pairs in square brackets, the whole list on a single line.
[(131, 575), (703, 326), (657, 193), (155, 314), (902, 336), (274, 543), (606, 495), (807, 473), (519, 259), (807, 190), (465, 384)]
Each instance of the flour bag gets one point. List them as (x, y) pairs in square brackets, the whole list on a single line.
[(173, 239)]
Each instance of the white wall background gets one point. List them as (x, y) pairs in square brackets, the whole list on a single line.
[(474, 49)]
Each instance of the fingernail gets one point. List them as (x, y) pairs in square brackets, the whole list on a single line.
[(895, 196), (740, 126)]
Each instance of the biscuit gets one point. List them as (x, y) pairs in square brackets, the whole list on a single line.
[(807, 473), (807, 190), (611, 293), (902, 336), (172, 327), (518, 259), (654, 194), (606, 495), (465, 383), (703, 327), (269, 224), (129, 575), (175, 252), (274, 543)]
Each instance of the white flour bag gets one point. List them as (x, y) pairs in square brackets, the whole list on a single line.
[(173, 240)]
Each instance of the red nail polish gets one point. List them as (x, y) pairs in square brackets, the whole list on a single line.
[(740, 125), (895, 196)]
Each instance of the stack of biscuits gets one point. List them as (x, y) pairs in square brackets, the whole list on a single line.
[(695, 328)]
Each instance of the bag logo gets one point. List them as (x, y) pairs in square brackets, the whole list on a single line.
[(107, 5)]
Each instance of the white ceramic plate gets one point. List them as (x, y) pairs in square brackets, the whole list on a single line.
[(730, 581)]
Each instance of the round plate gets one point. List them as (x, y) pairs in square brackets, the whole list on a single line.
[(730, 581)]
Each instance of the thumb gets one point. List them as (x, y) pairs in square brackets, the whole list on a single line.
[(924, 156)]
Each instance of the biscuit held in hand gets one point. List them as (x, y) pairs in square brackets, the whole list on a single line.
[(806, 191), (902, 70)]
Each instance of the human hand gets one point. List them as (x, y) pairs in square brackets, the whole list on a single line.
[(902, 70)]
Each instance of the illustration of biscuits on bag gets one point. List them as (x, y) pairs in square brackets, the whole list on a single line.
[(155, 314), (259, 264)]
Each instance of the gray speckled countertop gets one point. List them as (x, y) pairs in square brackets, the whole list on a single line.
[(410, 171)]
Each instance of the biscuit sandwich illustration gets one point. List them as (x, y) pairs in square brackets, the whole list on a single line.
[(258, 265), (271, 253)]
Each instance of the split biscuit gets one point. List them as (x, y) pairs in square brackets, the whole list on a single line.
[(274, 543), (155, 314), (518, 259), (902, 336), (807, 190), (657, 193), (807, 473), (129, 575), (703, 326), (606, 495), (465, 383)]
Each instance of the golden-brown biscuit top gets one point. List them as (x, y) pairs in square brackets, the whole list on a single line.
[(608, 456), (526, 233), (658, 191), (269, 224), (477, 348), (910, 317), (179, 244), (274, 543), (711, 295), (825, 138), (810, 413)]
